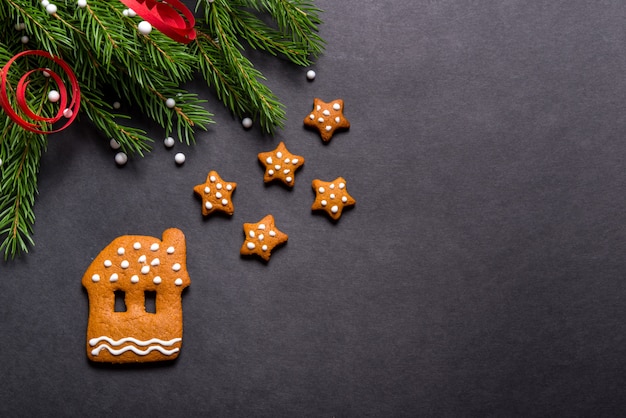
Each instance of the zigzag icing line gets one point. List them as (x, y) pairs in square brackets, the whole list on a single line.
[(141, 343), (134, 349)]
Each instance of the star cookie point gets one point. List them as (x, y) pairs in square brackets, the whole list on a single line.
[(262, 237), (216, 194), (280, 165), (331, 197), (327, 118)]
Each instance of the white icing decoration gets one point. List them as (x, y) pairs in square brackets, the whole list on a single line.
[(178, 282), (336, 106), (287, 160), (326, 112), (107, 263), (134, 279), (124, 264), (212, 178), (332, 186), (264, 247), (334, 209), (252, 234), (176, 267), (141, 343), (332, 195), (268, 160), (135, 350), (207, 190), (323, 203), (288, 179), (137, 245), (229, 187), (262, 227), (145, 269), (218, 186), (156, 280), (319, 107), (171, 250), (277, 166), (321, 190), (337, 119), (208, 205), (113, 277), (328, 128), (250, 245), (142, 259), (155, 262), (342, 185), (261, 237), (270, 172), (154, 247), (120, 251), (272, 233), (344, 199), (95, 278), (311, 116), (218, 195), (279, 155), (224, 202), (286, 171), (295, 161), (320, 120)]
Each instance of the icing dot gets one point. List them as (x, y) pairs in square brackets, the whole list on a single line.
[(156, 280), (326, 112), (176, 267), (207, 190), (261, 237), (328, 128), (319, 107), (224, 202), (342, 185), (208, 205), (344, 199), (218, 195), (272, 233), (107, 263), (218, 186), (170, 250), (124, 264), (336, 106), (288, 179), (287, 160), (337, 119), (95, 278), (142, 259), (323, 203), (264, 247), (229, 187), (277, 166), (154, 247), (311, 116), (134, 279), (295, 161), (262, 227), (178, 282), (250, 245), (252, 234), (145, 269), (279, 155), (320, 120), (286, 171), (113, 277), (334, 209), (270, 172), (332, 186), (155, 262), (321, 190), (137, 245), (332, 195), (212, 179), (120, 251)]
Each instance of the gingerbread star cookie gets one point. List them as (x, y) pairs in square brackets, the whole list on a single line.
[(261, 238), (327, 118), (216, 194), (331, 196), (280, 164)]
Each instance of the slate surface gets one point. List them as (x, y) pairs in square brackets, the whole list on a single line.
[(481, 272)]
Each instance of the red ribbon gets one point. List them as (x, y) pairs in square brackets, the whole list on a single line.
[(32, 121), (171, 17)]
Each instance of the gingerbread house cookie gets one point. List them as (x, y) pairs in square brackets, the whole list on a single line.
[(135, 309)]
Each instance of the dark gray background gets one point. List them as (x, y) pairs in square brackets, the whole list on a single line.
[(481, 272)]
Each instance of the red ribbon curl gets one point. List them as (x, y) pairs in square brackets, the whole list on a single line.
[(172, 18), (31, 121)]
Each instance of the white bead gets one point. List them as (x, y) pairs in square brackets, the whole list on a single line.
[(20, 26), (45, 3), (179, 158), (168, 142), (81, 3), (114, 144), (24, 39), (131, 13), (170, 103), (310, 75), (51, 9), (54, 96), (125, 12), (68, 113), (144, 27), (121, 158), (117, 105), (246, 123)]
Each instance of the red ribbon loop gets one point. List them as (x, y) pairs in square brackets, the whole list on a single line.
[(172, 18)]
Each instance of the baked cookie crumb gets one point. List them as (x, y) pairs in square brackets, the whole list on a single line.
[(327, 118), (331, 196)]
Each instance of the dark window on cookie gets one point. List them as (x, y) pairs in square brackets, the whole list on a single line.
[(120, 303), (150, 301)]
